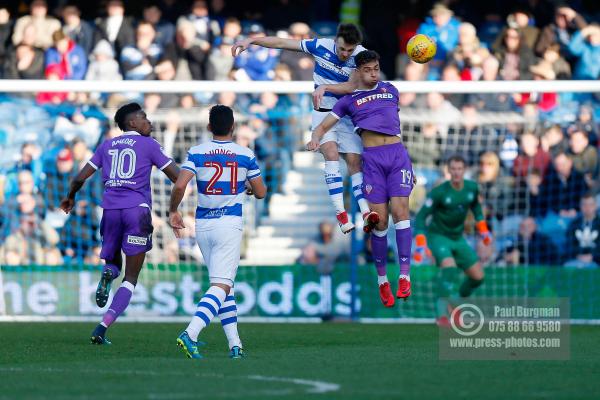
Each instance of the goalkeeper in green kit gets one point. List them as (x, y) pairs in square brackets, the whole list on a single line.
[(448, 205)]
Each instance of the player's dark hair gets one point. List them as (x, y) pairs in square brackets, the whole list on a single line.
[(123, 114), (220, 118), (365, 57), (456, 158), (350, 33)]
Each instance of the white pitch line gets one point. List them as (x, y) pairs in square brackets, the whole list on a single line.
[(316, 386), (313, 386)]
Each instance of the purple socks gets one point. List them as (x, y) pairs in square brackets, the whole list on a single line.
[(404, 241), (379, 248), (119, 303)]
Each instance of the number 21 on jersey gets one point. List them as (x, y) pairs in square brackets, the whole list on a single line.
[(210, 188)]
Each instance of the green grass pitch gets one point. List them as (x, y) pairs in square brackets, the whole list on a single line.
[(287, 361)]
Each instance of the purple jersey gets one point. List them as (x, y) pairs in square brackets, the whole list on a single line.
[(375, 109), (126, 163)]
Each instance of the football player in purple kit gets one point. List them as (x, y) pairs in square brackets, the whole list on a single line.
[(126, 162), (387, 169)]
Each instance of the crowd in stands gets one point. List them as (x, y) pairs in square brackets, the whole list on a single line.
[(544, 169)]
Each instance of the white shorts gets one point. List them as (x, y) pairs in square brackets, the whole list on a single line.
[(220, 248), (342, 133)]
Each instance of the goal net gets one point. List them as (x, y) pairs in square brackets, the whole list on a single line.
[(532, 146)]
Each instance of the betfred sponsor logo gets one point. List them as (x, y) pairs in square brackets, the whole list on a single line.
[(372, 97)]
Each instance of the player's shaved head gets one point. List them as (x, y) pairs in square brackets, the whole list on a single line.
[(220, 120)]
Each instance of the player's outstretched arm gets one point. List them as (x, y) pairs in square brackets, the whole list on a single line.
[(339, 88), (320, 131), (258, 187), (172, 172), (68, 202), (271, 42), (177, 192)]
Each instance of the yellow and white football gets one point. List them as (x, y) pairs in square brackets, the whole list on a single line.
[(421, 48)]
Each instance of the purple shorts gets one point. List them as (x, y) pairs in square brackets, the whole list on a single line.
[(128, 229), (387, 173)]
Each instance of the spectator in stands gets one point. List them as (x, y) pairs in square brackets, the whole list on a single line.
[(57, 179), (413, 72), (515, 56), (496, 102), (560, 66), (245, 136), (586, 122), (468, 55), (326, 248), (138, 61), (44, 25), (300, 63), (531, 248), (192, 60), (53, 72), (496, 189), (78, 236), (531, 156), (24, 62), (584, 156), (6, 27), (546, 101), (519, 20), (68, 56), (566, 22), (31, 241), (81, 153), (25, 189), (116, 28), (583, 236), (205, 28), (443, 113), (470, 139), (220, 59), (103, 66), (451, 73), (553, 141), (257, 63), (563, 188), (585, 47), (30, 161), (232, 29), (79, 31), (165, 71), (443, 28), (165, 30)]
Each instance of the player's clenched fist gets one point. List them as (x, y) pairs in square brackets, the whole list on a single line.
[(313, 145), (67, 204), (240, 46), (176, 222)]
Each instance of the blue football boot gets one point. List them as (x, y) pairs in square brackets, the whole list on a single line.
[(189, 347)]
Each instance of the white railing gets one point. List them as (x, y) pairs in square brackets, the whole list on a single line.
[(12, 86)]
